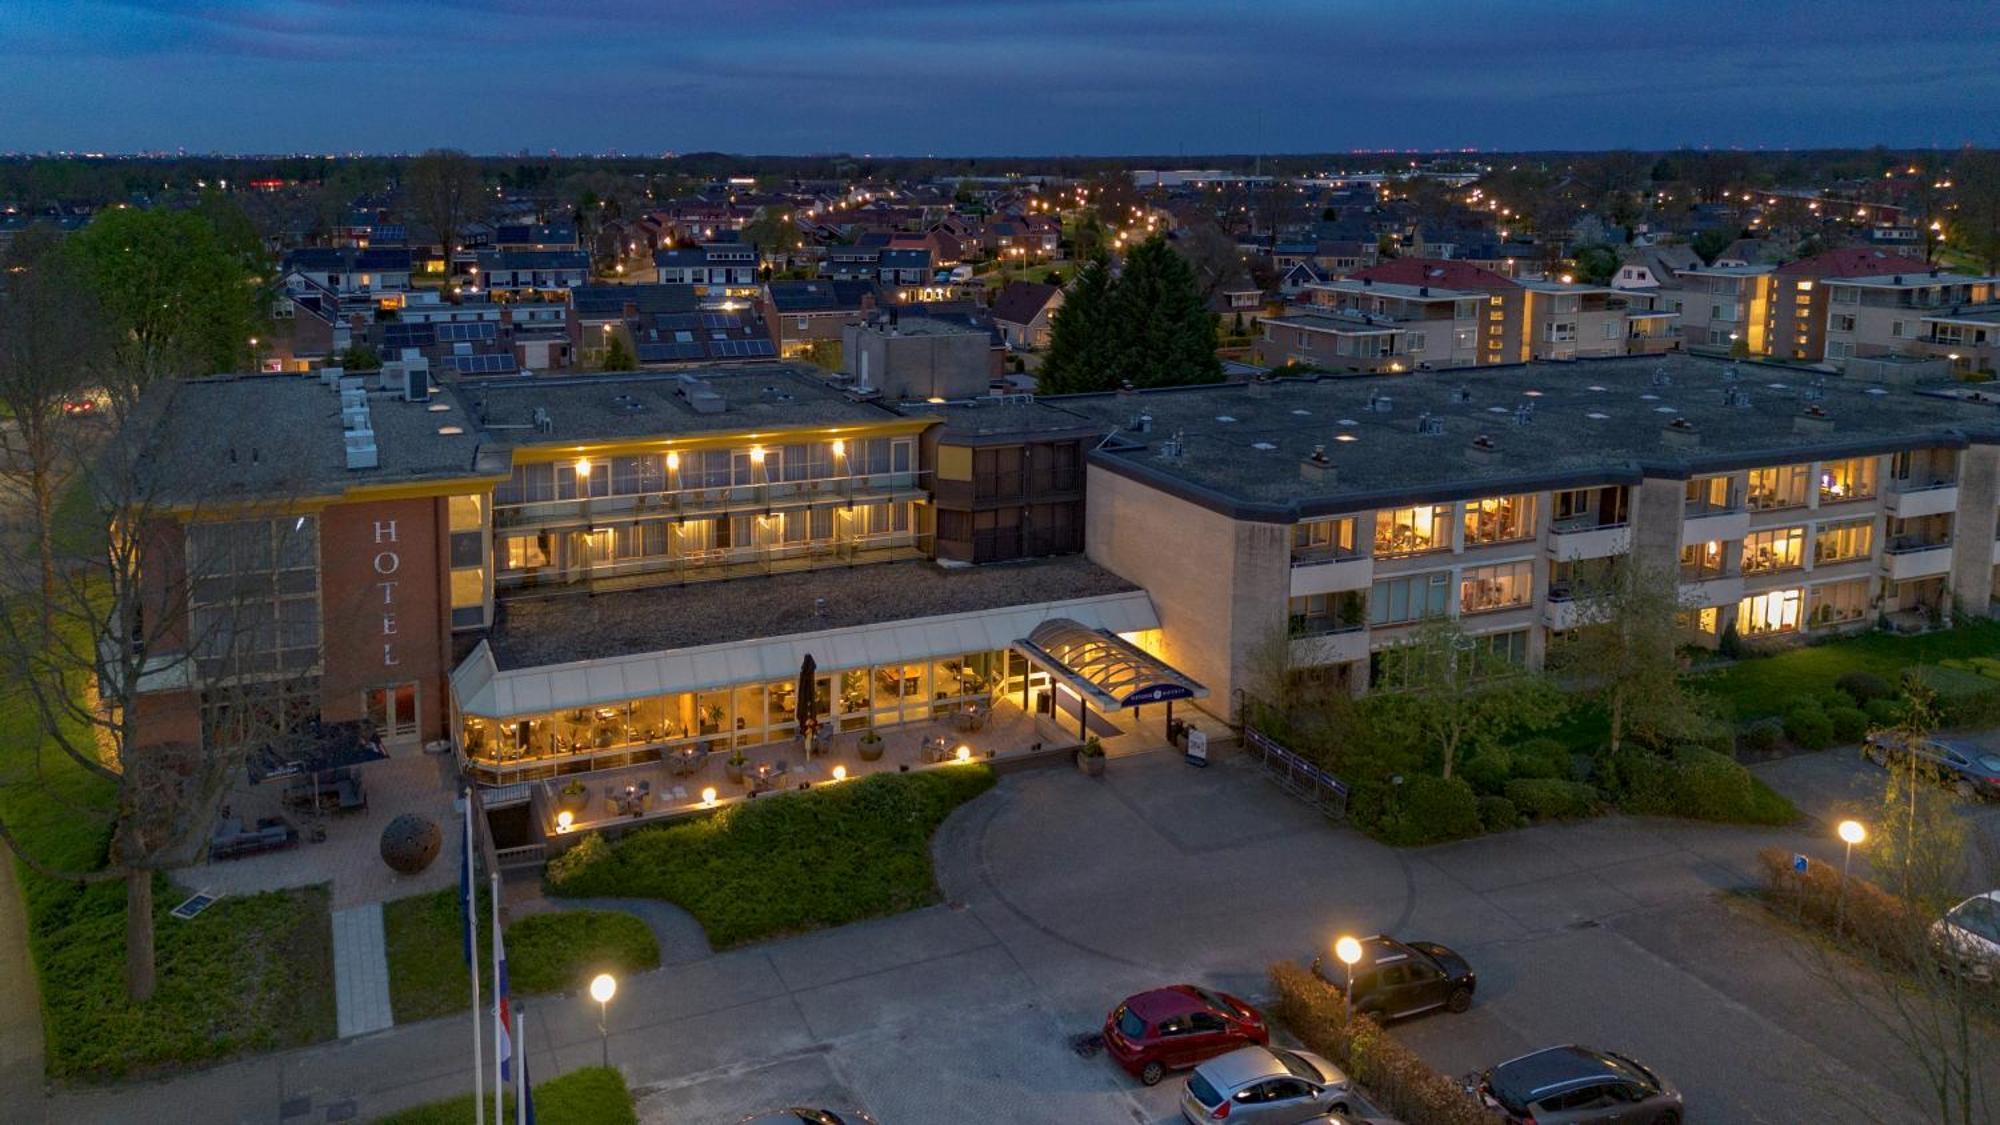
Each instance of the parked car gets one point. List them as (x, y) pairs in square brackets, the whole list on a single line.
[(1967, 938), (805, 1115), (1575, 1085), (1264, 1086), (1971, 770), (1175, 1028), (1395, 979)]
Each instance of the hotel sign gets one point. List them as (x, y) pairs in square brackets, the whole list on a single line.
[(388, 561)]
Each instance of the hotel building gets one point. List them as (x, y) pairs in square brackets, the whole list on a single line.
[(553, 576)]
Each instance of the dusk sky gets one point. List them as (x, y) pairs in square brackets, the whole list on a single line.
[(957, 77)]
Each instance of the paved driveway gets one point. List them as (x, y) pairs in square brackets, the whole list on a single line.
[(1068, 894)]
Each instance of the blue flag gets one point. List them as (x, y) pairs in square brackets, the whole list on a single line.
[(465, 887)]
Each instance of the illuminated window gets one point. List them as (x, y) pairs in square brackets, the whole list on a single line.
[(1851, 479), (1836, 603), (1702, 561), (1778, 549), (1484, 589), (1396, 601), (1410, 531), (1762, 614), (1314, 539), (1844, 541), (1783, 486), (1500, 519), (1709, 494)]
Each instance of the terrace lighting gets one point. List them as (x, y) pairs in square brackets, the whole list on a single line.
[(603, 987), (564, 819), (840, 773), (583, 466), (963, 753), (708, 797)]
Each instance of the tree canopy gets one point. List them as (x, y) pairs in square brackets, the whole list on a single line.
[(1147, 326), (182, 301)]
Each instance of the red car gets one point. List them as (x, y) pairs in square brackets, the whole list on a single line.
[(1178, 1027)]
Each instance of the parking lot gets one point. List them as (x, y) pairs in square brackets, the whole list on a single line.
[(1067, 894)]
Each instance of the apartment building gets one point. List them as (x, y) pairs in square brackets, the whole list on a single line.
[(1339, 516), (1796, 320), (1931, 312), (1723, 309)]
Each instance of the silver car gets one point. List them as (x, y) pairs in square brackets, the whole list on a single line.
[(1266, 1086), (1575, 1085), (1968, 937)]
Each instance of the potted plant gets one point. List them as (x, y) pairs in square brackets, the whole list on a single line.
[(571, 797), (871, 746), (732, 766), (1090, 757)]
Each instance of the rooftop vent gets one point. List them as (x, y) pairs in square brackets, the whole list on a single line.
[(1174, 448), (1430, 424), (1812, 420), (542, 422), (1680, 432), (1379, 403), (1461, 394), (1661, 378), (1260, 387), (1317, 467), (1524, 414), (1482, 450), (361, 451), (1141, 423)]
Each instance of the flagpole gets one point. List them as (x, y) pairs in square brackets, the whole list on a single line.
[(499, 1036), (522, 1092), (472, 965)]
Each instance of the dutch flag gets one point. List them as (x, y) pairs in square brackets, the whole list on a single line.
[(506, 1015)]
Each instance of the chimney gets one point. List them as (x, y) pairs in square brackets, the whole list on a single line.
[(1260, 387), (1812, 420), (631, 310), (1680, 432), (1318, 468), (1482, 450)]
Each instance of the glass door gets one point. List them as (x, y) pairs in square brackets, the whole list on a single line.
[(393, 711)]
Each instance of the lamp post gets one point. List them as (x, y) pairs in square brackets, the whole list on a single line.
[(1349, 951), (602, 988), (1851, 833)]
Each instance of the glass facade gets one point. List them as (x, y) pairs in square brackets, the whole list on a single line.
[(1410, 531), (1499, 519)]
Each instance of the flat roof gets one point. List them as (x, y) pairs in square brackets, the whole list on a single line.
[(649, 404), (1351, 325), (567, 628), (1397, 289), (1589, 421), (1000, 418), (240, 438), (1910, 280)]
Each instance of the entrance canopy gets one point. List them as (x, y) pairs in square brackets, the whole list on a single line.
[(1103, 667)]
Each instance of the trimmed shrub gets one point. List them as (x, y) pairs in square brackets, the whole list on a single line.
[(1808, 727), (1760, 736), (1711, 787), (581, 857), (1864, 686), (1551, 799), (1698, 784), (1541, 757), (1986, 666), (1883, 712), (1489, 770), (1433, 809), (1849, 723), (1870, 920), (1498, 814), (1397, 1079)]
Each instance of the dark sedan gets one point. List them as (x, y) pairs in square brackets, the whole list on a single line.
[(1394, 979), (1969, 769)]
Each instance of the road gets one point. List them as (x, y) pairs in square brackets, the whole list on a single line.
[(1066, 894)]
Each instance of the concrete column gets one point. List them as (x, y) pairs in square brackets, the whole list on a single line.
[(1972, 529), (1658, 509)]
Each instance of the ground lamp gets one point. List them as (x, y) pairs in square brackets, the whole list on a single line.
[(840, 773), (602, 988), (564, 819), (708, 797), (1851, 833), (964, 753), (1349, 951)]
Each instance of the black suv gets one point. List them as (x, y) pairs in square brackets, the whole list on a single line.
[(1394, 979)]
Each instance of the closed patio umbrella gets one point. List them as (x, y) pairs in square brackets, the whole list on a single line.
[(803, 703)]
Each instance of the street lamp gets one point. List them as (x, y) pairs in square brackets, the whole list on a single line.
[(1851, 833), (1349, 951), (602, 988)]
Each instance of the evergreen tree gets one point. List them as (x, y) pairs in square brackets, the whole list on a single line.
[(1159, 332), (1076, 359), (618, 357)]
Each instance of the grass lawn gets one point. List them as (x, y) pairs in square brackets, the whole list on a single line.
[(786, 864), (249, 974), (1764, 685), (545, 952), (592, 1096)]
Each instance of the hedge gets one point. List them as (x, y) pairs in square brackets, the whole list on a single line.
[(1870, 920), (1696, 784), (1864, 686), (1551, 799), (1395, 1078), (1761, 736), (1431, 810), (1964, 697), (1498, 814), (1850, 724), (1808, 727)]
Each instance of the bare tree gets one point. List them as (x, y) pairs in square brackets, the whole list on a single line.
[(158, 593), (52, 346), (442, 189), (1975, 180), (1625, 650)]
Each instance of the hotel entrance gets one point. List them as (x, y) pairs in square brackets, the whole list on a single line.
[(393, 711)]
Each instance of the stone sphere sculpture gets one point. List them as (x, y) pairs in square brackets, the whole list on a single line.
[(410, 843)]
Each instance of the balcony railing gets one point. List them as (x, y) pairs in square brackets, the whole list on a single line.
[(1904, 487), (690, 501), (702, 566), (1313, 556), (1573, 525), (1909, 544)]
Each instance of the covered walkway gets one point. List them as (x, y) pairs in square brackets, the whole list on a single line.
[(1097, 668)]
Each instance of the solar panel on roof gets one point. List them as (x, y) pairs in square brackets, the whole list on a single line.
[(462, 333)]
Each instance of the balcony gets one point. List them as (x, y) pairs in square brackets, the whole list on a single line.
[(1564, 611), (1719, 590), (1909, 558), (1584, 538), (1330, 648), (1330, 572), (1715, 525), (1912, 499), (604, 510)]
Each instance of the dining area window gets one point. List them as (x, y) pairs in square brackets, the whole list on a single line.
[(1487, 589), (1844, 541), (1780, 486), (1499, 519), (1710, 495), (1781, 548), (1703, 561), (1849, 479), (1412, 531)]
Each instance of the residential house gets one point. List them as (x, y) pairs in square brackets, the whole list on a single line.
[(1024, 312), (802, 314), (546, 275)]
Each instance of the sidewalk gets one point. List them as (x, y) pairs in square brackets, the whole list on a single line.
[(21, 1088)]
